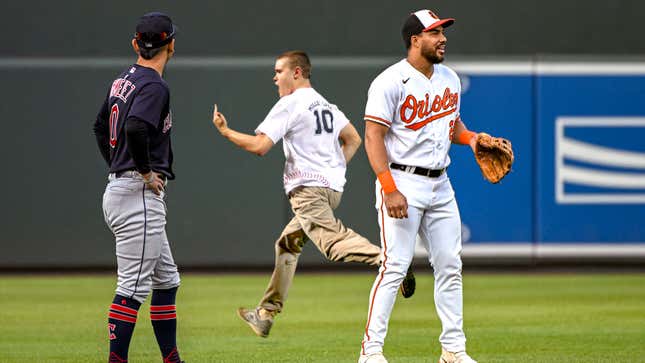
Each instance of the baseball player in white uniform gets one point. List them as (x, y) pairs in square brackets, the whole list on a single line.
[(412, 117), (314, 177)]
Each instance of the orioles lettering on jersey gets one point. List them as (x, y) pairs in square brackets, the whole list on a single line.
[(413, 109), (419, 113)]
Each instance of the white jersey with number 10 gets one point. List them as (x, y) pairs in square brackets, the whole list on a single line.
[(309, 127)]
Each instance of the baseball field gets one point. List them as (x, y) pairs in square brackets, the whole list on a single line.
[(509, 317)]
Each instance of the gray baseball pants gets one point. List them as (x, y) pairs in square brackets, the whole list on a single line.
[(137, 217)]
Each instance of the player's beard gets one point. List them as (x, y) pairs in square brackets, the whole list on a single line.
[(430, 54)]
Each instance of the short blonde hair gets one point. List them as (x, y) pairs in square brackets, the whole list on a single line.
[(298, 58)]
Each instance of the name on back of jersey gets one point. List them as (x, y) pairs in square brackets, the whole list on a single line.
[(122, 89), (318, 103), (413, 108)]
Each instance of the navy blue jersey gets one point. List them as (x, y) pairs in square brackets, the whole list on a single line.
[(138, 92)]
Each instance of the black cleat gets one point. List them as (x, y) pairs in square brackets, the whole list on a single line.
[(173, 357), (114, 358), (408, 285)]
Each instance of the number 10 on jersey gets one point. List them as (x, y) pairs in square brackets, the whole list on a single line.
[(324, 121)]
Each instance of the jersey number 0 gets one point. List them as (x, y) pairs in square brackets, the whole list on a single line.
[(114, 117)]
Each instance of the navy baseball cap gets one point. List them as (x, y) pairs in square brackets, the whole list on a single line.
[(154, 30), (423, 21)]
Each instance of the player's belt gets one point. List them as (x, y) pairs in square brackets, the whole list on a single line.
[(418, 170), (127, 174), (134, 174)]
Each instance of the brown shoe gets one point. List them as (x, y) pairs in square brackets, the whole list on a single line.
[(408, 285), (252, 317)]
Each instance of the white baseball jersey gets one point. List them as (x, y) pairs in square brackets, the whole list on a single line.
[(420, 113), (309, 127)]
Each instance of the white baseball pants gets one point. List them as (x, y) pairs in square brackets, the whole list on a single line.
[(434, 216)]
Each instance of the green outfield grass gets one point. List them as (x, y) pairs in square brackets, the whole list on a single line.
[(508, 318)]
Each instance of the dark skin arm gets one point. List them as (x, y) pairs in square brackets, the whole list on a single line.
[(459, 128), (395, 202)]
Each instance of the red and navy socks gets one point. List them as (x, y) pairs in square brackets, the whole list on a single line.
[(121, 321), (163, 316)]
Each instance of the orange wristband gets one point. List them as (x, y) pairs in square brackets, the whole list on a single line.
[(465, 137), (387, 183)]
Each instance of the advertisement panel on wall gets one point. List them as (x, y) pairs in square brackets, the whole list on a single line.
[(501, 105), (578, 184), (592, 159)]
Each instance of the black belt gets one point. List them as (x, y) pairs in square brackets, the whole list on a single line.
[(418, 170)]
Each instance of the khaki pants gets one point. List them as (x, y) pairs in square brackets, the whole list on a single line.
[(314, 219)]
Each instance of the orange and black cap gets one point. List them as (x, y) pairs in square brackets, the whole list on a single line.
[(422, 21)]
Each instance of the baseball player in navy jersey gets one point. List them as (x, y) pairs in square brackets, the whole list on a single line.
[(412, 117), (314, 176), (133, 134)]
